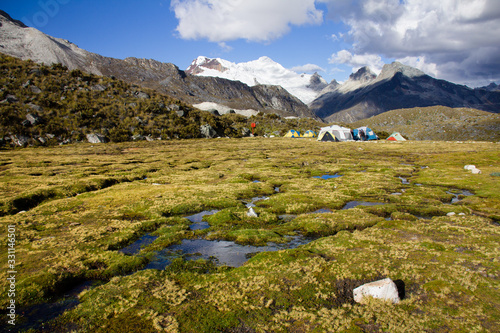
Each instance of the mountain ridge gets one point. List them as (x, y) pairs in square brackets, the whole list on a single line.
[(264, 70), (25, 43), (397, 86)]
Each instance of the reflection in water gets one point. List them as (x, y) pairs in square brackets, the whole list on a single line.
[(352, 204), (198, 224), (225, 252), (328, 176), (136, 246)]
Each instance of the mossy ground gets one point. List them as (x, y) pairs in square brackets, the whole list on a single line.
[(84, 202)]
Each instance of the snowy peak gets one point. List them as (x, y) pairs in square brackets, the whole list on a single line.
[(263, 71), (199, 65)]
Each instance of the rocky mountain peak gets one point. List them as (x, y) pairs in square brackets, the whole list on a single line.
[(389, 70), (199, 64), (364, 74), (6, 17), (316, 82)]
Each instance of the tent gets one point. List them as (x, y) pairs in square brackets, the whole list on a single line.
[(396, 136), (310, 134), (364, 134), (338, 132), (326, 136), (292, 134)]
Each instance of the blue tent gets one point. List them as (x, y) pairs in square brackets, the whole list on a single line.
[(364, 134)]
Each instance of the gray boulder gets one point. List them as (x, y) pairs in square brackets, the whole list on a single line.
[(207, 131), (96, 138), (35, 89), (19, 140), (141, 94), (34, 119)]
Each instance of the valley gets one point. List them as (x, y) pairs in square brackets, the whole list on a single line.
[(424, 231)]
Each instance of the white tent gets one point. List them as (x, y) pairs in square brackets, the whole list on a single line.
[(340, 133)]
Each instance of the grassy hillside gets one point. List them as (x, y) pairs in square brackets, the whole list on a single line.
[(47, 105), (437, 123), (74, 206)]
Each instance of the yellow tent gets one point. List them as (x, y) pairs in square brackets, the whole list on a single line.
[(310, 134), (292, 134)]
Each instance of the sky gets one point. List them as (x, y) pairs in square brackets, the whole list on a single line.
[(454, 40)]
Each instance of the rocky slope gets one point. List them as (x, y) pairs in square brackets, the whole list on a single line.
[(437, 123), (398, 86), (28, 43)]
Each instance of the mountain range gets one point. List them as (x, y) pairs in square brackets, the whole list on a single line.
[(260, 85)]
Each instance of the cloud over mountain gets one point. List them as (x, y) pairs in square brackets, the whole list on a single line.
[(256, 20), (457, 39)]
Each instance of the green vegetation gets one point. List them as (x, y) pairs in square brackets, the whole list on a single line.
[(436, 123), (48, 105), (75, 206)]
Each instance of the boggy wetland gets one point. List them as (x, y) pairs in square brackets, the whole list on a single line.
[(251, 235)]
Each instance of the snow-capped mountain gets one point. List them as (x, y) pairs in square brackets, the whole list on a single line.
[(261, 71)]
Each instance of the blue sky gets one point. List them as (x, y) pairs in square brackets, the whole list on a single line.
[(449, 39)]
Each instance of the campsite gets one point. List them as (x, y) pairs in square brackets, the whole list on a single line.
[(101, 232)]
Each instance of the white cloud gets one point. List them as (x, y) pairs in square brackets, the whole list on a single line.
[(357, 61), (256, 20), (308, 68), (456, 38)]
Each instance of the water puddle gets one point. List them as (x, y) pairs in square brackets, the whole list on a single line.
[(34, 317), (252, 202), (327, 176), (321, 211), (456, 195), (136, 246), (224, 252), (352, 204), (404, 181), (197, 219)]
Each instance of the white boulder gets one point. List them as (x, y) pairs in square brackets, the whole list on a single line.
[(384, 289), (252, 213), (469, 167), (475, 171)]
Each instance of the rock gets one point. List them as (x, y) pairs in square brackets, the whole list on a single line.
[(98, 87), (96, 138), (137, 137), (214, 112), (450, 214), (10, 99), (35, 107), (384, 289), (469, 167), (19, 140), (173, 107), (207, 131), (180, 114), (148, 138), (252, 213), (35, 89), (245, 131), (141, 94), (34, 119), (475, 171)]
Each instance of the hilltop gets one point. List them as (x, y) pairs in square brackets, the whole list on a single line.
[(437, 123)]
